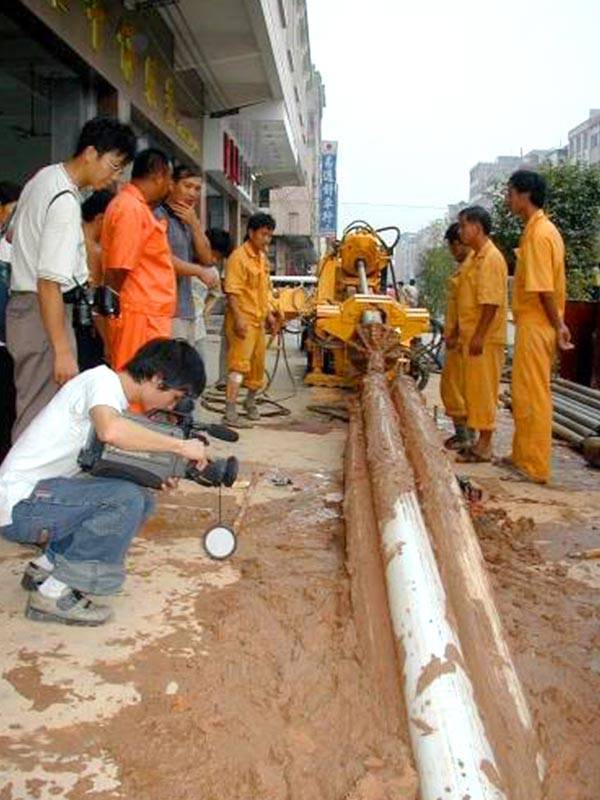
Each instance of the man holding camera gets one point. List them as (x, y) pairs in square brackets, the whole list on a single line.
[(49, 260), (85, 523)]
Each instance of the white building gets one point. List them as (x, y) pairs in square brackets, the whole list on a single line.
[(584, 140), (254, 59), (296, 208), (406, 257), (407, 262), (484, 176)]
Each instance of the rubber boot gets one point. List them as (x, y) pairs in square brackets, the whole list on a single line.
[(233, 419), (251, 407), (460, 439)]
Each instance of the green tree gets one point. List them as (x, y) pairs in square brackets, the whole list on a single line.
[(436, 267), (574, 206)]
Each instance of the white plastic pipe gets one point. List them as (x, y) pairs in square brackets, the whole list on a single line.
[(453, 756)]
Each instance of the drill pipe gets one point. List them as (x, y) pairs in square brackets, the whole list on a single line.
[(566, 433), (574, 412), (578, 387), (498, 691), (580, 430), (578, 397), (450, 744), (364, 563)]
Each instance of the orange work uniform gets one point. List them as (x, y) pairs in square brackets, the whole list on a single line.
[(247, 279), (484, 281), (452, 380), (134, 240), (540, 268)]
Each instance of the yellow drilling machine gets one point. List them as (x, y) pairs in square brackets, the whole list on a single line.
[(351, 314)]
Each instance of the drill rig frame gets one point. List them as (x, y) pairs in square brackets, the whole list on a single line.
[(350, 303)]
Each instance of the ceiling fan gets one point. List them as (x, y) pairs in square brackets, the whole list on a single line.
[(32, 131)]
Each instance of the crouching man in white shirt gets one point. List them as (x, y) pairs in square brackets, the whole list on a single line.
[(86, 524)]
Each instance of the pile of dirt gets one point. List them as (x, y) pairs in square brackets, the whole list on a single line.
[(552, 627), (501, 538)]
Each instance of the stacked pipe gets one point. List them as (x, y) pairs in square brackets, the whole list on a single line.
[(470, 727), (576, 411)]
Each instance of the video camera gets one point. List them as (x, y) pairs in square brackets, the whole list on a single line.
[(154, 469), (85, 300)]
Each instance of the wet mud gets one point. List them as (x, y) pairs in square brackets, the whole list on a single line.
[(266, 690), (552, 624)]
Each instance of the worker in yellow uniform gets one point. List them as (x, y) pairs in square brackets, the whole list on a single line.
[(451, 384), (482, 302), (538, 311), (247, 288)]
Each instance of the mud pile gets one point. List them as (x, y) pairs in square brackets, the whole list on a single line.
[(552, 627)]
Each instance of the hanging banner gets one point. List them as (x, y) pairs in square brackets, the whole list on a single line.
[(328, 192)]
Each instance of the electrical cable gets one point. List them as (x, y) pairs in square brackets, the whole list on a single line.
[(214, 399)]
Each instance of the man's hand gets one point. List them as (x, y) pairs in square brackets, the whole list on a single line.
[(194, 450), (273, 324), (451, 341), (240, 328), (186, 214), (210, 277), (563, 338), (476, 346), (170, 483), (65, 366)]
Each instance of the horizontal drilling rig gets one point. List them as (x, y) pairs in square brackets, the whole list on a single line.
[(350, 314)]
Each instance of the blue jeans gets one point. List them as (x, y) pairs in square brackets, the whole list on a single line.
[(89, 524), (4, 294)]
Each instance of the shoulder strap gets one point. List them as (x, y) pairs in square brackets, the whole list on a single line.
[(60, 194)]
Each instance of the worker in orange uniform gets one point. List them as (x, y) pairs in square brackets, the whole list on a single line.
[(482, 311), (137, 260), (452, 381), (538, 310), (247, 287)]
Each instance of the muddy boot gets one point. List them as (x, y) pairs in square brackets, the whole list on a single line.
[(460, 439), (233, 419), (251, 407), (71, 608)]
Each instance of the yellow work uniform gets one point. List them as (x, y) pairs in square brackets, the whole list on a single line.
[(484, 281), (451, 383), (247, 279), (540, 268)]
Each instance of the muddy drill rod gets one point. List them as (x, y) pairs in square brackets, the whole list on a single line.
[(452, 753), (498, 691)]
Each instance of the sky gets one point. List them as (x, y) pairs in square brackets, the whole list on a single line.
[(418, 92)]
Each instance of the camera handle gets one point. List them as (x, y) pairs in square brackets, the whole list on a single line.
[(89, 303)]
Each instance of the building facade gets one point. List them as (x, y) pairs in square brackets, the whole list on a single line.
[(584, 140), (484, 175), (225, 85), (406, 257), (296, 208)]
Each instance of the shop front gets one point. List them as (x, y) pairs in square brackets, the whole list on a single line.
[(63, 61)]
